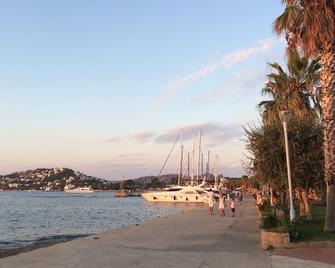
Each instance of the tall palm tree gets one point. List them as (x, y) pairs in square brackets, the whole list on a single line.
[(290, 90), (310, 26)]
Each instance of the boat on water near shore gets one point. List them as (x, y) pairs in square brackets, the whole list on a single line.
[(121, 193), (193, 193), (79, 190), (178, 194), (125, 193)]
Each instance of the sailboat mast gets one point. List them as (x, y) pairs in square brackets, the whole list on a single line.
[(199, 155), (181, 158), (121, 183), (216, 172), (193, 162), (188, 166), (208, 167), (202, 165)]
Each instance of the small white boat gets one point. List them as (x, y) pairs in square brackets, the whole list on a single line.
[(79, 190)]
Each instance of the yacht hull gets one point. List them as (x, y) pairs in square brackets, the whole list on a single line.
[(122, 193), (159, 197), (74, 191)]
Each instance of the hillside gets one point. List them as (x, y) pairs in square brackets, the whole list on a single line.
[(52, 179), (55, 179)]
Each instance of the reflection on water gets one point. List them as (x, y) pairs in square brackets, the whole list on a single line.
[(27, 217)]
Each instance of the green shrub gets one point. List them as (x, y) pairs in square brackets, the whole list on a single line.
[(265, 207), (286, 225), (269, 221), (293, 231)]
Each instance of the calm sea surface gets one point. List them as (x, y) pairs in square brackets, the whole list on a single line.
[(29, 217)]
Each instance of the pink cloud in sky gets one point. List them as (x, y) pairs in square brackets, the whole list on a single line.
[(215, 133), (143, 136), (224, 62), (246, 79), (114, 139)]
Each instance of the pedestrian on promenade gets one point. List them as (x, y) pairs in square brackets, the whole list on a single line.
[(233, 206), (210, 201), (240, 196), (222, 204)]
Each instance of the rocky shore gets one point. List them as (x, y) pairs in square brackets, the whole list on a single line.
[(41, 243)]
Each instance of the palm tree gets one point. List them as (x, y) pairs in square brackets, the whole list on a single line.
[(310, 26), (290, 90)]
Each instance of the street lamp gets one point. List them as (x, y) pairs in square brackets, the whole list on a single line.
[(285, 118)]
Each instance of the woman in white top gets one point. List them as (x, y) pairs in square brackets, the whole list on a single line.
[(210, 201), (222, 204)]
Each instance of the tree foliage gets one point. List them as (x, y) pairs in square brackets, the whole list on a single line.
[(291, 89), (309, 25), (267, 160)]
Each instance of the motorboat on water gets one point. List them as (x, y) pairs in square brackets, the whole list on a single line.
[(79, 190), (177, 194), (193, 193)]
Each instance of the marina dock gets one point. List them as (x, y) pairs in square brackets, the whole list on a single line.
[(191, 238)]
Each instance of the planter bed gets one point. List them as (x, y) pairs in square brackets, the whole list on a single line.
[(274, 240)]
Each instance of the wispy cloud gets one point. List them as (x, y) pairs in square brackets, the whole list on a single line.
[(132, 157), (215, 133), (224, 62), (114, 139), (245, 79), (140, 137), (143, 136)]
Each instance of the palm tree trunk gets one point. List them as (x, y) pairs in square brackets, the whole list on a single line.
[(328, 123), (306, 204), (302, 207)]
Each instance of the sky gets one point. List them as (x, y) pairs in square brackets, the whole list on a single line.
[(104, 87)]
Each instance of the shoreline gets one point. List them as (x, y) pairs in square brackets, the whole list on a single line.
[(188, 238), (7, 252), (40, 243)]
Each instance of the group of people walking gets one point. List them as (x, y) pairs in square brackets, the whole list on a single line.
[(222, 202)]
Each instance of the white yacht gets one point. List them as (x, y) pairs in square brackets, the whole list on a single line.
[(182, 194), (79, 190), (177, 194)]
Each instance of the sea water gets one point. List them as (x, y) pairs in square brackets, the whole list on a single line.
[(30, 217)]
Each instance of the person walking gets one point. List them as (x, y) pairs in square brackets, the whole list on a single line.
[(241, 196), (210, 201), (222, 204), (233, 206)]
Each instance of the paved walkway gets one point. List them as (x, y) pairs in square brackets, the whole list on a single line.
[(188, 239), (325, 255)]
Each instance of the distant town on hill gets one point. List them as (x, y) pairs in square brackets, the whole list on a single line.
[(55, 179)]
